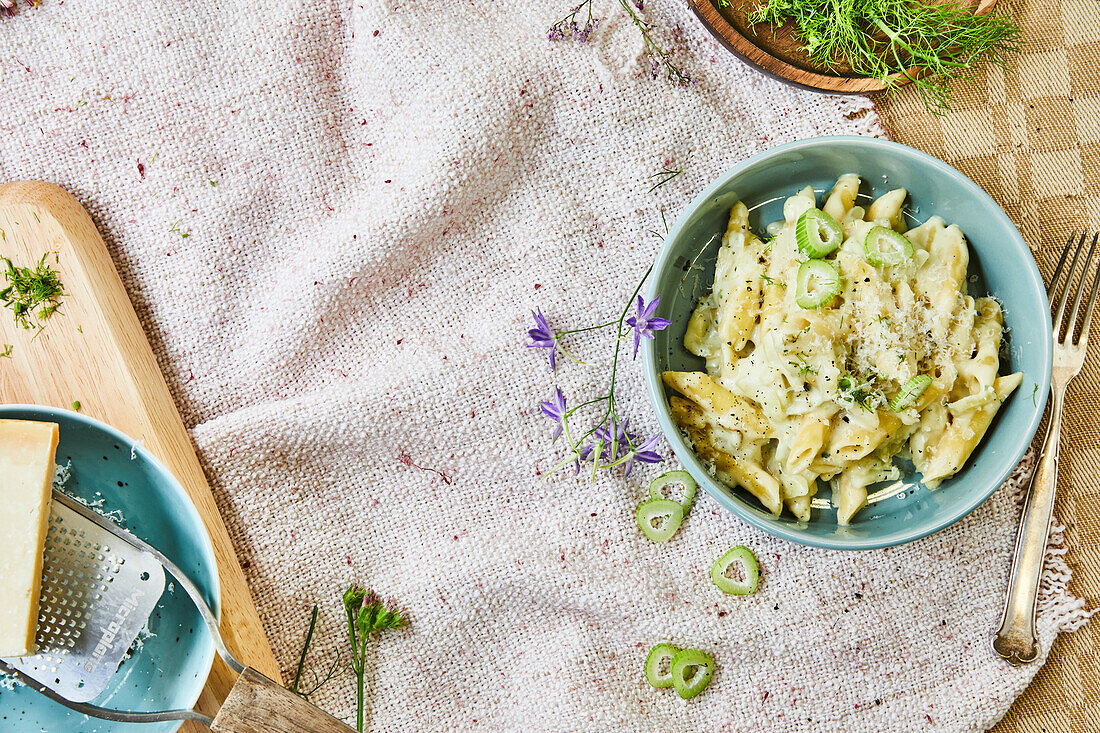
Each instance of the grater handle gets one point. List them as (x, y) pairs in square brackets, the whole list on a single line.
[(258, 705)]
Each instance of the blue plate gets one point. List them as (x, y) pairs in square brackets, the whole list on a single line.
[(169, 669), (1000, 264)]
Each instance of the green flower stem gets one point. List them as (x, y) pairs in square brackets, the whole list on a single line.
[(358, 662), (558, 339), (367, 615), (305, 649), (586, 328), (596, 452), (601, 398), (610, 414), (568, 459), (359, 701), (675, 73), (565, 351)]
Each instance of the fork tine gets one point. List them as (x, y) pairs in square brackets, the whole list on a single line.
[(1069, 286), (1058, 270), (1072, 322), (1084, 340)]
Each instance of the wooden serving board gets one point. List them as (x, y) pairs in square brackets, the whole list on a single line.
[(776, 52), (95, 351)]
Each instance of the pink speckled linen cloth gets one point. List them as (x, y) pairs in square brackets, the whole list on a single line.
[(374, 196)]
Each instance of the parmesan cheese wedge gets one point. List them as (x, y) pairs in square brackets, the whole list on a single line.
[(26, 477)]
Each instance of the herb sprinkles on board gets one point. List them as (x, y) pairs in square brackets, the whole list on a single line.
[(33, 295)]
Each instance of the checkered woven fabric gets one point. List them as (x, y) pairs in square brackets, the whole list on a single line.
[(1029, 134)]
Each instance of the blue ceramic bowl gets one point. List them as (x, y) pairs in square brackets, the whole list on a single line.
[(169, 670), (1000, 264)]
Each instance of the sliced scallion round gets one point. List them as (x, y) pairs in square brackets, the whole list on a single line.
[(671, 478), (745, 576), (659, 519), (910, 392), (658, 665), (818, 283), (884, 246), (691, 672), (817, 233)]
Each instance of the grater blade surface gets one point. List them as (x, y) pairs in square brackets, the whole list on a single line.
[(97, 595)]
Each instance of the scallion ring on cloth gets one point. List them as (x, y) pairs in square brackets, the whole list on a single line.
[(659, 519), (746, 573), (817, 233), (658, 665), (691, 672), (884, 246), (818, 283), (911, 392), (671, 478)]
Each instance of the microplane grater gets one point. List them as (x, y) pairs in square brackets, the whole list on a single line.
[(254, 703), (97, 595)]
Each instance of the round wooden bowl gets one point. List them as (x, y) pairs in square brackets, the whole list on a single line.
[(776, 52)]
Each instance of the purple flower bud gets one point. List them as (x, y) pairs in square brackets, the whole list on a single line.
[(554, 408), (645, 323), (644, 453), (543, 337)]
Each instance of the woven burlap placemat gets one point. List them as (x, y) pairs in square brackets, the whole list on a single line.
[(1030, 136)]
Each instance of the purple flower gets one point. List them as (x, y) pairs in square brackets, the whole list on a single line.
[(583, 454), (619, 442), (645, 323), (543, 337), (644, 453), (568, 26), (583, 34), (616, 439), (611, 441), (554, 408)]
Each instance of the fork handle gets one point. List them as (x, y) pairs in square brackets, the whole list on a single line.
[(1016, 640)]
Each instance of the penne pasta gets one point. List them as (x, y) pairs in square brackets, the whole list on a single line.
[(718, 403), (964, 432), (887, 208), (800, 507), (843, 197), (739, 270), (851, 496), (807, 443), (806, 380)]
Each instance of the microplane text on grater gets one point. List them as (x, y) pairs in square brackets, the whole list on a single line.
[(97, 594)]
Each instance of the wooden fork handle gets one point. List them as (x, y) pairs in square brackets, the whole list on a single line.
[(1016, 640), (258, 705)]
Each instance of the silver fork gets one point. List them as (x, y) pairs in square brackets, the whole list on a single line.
[(1015, 640)]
